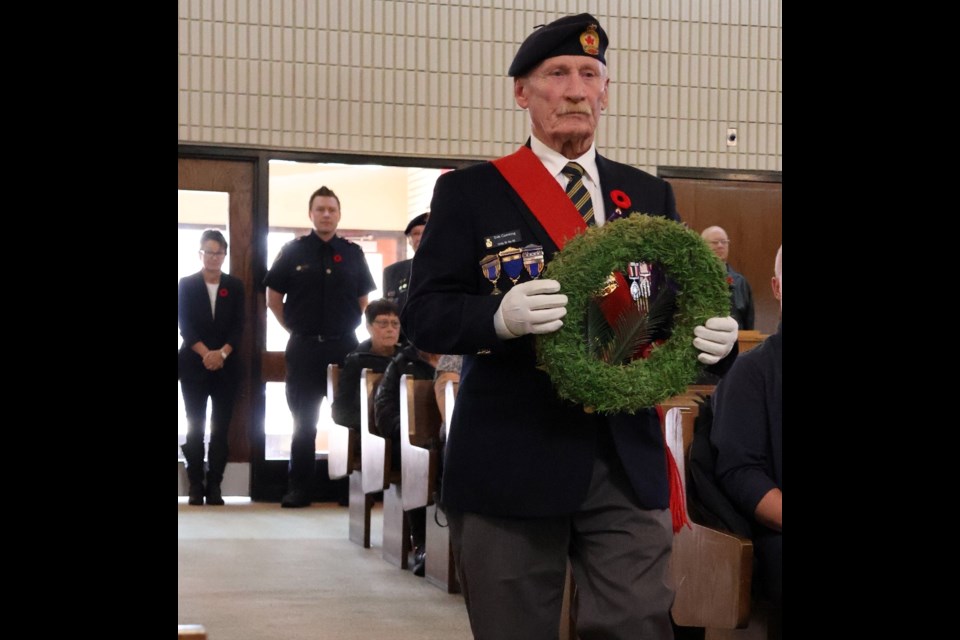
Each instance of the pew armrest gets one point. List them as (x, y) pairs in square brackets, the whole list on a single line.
[(711, 569)]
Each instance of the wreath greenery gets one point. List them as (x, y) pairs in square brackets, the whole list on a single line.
[(583, 266)]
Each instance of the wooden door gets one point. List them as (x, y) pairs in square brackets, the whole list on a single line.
[(749, 206), (236, 178)]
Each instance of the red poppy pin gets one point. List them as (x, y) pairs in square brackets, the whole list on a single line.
[(622, 201), (730, 280), (337, 257), (223, 293)]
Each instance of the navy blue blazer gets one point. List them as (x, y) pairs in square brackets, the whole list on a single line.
[(514, 448), (199, 324)]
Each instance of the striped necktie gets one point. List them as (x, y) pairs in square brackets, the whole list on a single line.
[(577, 192)]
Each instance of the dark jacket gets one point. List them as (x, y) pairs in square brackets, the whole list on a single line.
[(396, 282), (346, 404), (748, 425), (387, 400), (199, 324), (741, 299)]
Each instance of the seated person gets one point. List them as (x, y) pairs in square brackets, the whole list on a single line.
[(748, 434), (383, 324), (741, 296), (421, 365)]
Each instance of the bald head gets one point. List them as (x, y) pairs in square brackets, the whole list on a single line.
[(717, 238)]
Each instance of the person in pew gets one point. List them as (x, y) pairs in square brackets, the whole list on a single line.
[(317, 289), (210, 314), (530, 481), (383, 325), (741, 296), (748, 434), (422, 366)]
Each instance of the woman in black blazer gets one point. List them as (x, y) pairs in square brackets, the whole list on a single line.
[(210, 315)]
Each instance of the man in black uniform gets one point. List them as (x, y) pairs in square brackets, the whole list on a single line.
[(396, 277), (317, 289)]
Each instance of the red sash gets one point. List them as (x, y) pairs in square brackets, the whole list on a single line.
[(561, 220), (541, 193), (556, 213)]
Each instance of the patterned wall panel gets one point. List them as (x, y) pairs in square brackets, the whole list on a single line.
[(427, 78)]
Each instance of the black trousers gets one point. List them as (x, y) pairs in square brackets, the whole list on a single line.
[(768, 552), (221, 388), (307, 359)]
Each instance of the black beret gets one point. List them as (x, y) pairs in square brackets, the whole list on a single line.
[(579, 35), (416, 222)]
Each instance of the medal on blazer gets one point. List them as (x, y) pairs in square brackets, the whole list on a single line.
[(490, 266), (511, 261), (533, 260)]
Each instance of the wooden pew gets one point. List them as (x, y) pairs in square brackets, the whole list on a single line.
[(340, 448), (419, 425), (344, 460), (748, 339), (711, 569), (688, 400), (419, 422), (380, 474)]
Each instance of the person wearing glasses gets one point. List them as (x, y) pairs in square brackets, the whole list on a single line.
[(741, 296), (210, 315), (317, 289), (383, 325)]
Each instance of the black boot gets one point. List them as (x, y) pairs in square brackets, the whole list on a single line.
[(295, 498), (213, 493), (196, 494), (218, 462), (194, 456), (419, 561)]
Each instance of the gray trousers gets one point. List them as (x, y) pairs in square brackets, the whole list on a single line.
[(512, 570)]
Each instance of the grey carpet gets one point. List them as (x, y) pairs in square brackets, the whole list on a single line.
[(254, 571)]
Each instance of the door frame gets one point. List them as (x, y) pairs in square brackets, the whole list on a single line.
[(268, 478)]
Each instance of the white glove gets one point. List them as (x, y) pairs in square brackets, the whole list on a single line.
[(715, 338), (529, 307)]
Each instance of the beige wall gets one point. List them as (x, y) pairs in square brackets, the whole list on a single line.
[(427, 78)]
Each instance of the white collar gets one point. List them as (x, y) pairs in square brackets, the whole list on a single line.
[(555, 162)]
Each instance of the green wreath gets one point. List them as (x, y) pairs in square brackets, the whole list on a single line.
[(582, 268)]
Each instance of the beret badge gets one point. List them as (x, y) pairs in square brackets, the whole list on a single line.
[(590, 41)]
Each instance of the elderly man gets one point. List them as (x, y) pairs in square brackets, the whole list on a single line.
[(531, 481), (741, 298), (396, 277)]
